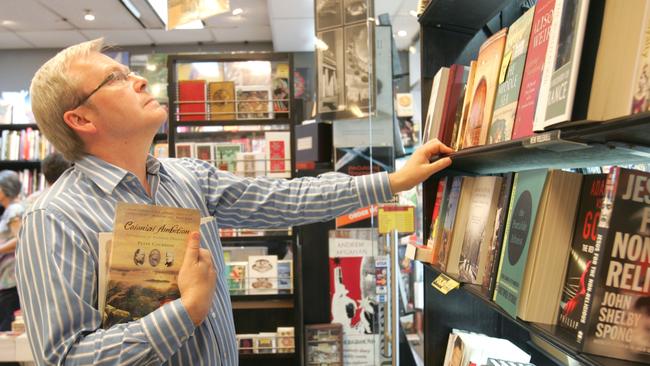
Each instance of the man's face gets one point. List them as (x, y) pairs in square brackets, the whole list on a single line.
[(120, 110)]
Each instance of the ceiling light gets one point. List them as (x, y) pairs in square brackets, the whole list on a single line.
[(89, 16), (401, 33), (129, 5), (151, 67), (195, 24), (237, 11), (412, 50), (413, 13), (8, 23)]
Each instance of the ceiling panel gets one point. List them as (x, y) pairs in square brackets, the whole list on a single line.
[(293, 35), (291, 8), (180, 36), (249, 33), (120, 37), (53, 39), (10, 40), (30, 15), (108, 14)]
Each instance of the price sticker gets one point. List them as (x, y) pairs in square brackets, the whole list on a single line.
[(444, 283), (400, 218)]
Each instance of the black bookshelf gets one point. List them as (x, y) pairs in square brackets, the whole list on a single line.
[(451, 32), (20, 164), (18, 126)]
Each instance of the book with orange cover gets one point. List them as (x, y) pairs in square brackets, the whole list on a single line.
[(191, 99)]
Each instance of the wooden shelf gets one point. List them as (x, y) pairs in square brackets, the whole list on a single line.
[(551, 334), (579, 144), (20, 164), (279, 301), (464, 16), (19, 126), (238, 122)]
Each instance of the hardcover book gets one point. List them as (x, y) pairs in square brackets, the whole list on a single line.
[(532, 77), (453, 104), (582, 250), (457, 143), (449, 220), (451, 265), (191, 99), (616, 319), (436, 104), (222, 100), (512, 68), (148, 248), (437, 221), (484, 89)]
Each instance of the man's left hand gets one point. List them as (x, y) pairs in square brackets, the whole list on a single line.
[(419, 167)]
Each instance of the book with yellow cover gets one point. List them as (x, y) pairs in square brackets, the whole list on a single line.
[(147, 252), (222, 100)]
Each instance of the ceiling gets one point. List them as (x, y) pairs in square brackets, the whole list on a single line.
[(288, 24)]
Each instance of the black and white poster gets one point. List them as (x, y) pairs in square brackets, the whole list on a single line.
[(330, 71), (355, 10), (357, 68), (328, 14)]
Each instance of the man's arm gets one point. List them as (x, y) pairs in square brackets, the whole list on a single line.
[(57, 285), (262, 202)]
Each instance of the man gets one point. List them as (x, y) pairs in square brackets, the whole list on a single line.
[(100, 116)]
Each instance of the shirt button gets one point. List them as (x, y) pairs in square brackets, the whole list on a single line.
[(214, 315)]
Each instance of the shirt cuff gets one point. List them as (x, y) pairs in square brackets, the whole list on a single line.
[(168, 328), (373, 188)]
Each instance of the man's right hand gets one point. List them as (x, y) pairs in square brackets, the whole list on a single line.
[(197, 279)]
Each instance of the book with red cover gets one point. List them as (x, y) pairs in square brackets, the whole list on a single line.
[(191, 98), (532, 78), (455, 84)]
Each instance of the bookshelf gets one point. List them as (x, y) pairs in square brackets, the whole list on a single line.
[(253, 313), (452, 32)]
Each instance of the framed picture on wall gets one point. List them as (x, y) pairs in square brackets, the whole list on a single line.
[(328, 14)]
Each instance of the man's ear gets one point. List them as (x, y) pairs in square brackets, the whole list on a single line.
[(78, 122)]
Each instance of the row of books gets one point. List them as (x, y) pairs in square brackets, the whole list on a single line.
[(31, 180), (199, 100), (465, 348), (260, 275), (273, 160), (27, 144), (542, 71), (281, 341), (548, 248)]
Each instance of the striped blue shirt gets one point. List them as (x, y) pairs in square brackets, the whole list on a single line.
[(56, 265)]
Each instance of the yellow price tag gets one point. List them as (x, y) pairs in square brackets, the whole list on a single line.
[(282, 71), (444, 283), (400, 218), (505, 63)]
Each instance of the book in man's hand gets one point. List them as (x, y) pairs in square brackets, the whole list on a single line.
[(139, 267)]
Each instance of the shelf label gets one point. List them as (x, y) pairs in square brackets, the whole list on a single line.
[(400, 218), (444, 283)]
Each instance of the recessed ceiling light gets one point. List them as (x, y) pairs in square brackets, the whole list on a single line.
[(89, 16), (237, 11), (412, 50), (413, 13), (401, 33), (8, 23)]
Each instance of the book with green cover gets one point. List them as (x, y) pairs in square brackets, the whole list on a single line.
[(526, 194)]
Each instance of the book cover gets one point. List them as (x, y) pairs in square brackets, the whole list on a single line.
[(484, 89), (222, 100), (526, 194), (254, 102), (437, 221), (225, 155), (641, 80), (479, 227), (204, 151), (532, 77), (184, 149), (278, 154), (191, 99), (286, 340), (237, 275), (458, 233), (436, 104), (250, 164), (352, 280), (616, 323), (494, 251), (245, 343), (265, 342), (262, 274), (453, 102), (281, 96), (512, 68), (582, 250), (285, 276), (449, 220), (148, 248)]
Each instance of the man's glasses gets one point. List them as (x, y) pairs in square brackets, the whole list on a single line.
[(112, 78)]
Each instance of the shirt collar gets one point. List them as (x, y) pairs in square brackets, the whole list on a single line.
[(107, 176)]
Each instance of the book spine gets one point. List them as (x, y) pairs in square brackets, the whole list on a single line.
[(599, 249)]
